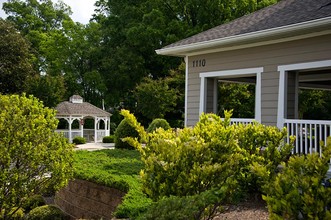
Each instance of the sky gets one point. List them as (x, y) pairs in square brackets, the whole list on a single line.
[(82, 9)]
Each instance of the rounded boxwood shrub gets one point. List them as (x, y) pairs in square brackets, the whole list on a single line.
[(158, 123), (47, 212), (79, 140), (108, 139), (124, 130)]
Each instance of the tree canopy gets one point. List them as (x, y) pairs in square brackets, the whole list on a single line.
[(15, 63)]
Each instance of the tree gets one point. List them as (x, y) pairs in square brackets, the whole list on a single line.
[(33, 157), (48, 89), (15, 65), (155, 98), (133, 30)]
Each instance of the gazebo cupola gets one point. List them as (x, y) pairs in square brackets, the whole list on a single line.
[(77, 109)]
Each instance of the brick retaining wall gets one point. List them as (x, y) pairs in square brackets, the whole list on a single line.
[(87, 200)]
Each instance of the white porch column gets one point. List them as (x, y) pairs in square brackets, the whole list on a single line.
[(186, 91), (215, 96), (281, 99), (203, 85), (81, 127), (258, 96)]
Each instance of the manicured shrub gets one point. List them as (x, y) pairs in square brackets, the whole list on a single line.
[(297, 192), (79, 140), (33, 202), (213, 154), (108, 139), (158, 123), (124, 130), (47, 212)]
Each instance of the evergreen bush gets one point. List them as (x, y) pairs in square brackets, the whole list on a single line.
[(108, 139), (158, 123), (79, 140), (47, 212), (297, 191), (124, 130)]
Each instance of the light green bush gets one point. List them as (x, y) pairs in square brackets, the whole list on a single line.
[(158, 123), (297, 191), (213, 154)]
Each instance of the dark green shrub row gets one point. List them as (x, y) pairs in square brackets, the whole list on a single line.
[(108, 139), (79, 140)]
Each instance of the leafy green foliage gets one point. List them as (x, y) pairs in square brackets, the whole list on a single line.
[(116, 168), (298, 190), (240, 98), (47, 212), (123, 130), (33, 202), (158, 123), (262, 145), (213, 154), (15, 63), (108, 139), (199, 206), (48, 89), (155, 98), (79, 140), (33, 157)]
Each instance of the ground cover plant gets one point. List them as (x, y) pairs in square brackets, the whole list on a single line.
[(118, 168)]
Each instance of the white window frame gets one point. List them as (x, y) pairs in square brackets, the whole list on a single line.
[(283, 69), (232, 73)]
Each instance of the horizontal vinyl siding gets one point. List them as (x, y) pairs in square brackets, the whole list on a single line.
[(269, 57)]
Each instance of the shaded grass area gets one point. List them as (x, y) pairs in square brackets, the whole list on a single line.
[(118, 168)]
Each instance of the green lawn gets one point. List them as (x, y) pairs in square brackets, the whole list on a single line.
[(118, 169)]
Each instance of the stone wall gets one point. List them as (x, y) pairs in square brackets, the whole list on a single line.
[(87, 200)]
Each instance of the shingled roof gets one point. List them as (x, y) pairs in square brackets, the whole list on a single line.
[(86, 109), (284, 13)]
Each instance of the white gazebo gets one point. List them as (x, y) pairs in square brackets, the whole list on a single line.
[(77, 110)]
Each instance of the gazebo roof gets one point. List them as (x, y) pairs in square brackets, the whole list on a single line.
[(76, 106)]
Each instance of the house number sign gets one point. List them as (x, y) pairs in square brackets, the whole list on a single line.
[(199, 63)]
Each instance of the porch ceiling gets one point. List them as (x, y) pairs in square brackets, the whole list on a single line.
[(317, 79)]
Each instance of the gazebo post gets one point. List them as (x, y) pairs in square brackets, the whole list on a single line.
[(95, 129), (70, 122), (81, 127)]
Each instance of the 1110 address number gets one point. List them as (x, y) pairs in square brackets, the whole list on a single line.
[(199, 63)]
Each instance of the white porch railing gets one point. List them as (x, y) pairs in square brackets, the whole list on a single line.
[(308, 134), (242, 120)]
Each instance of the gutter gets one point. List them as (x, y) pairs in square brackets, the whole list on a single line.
[(184, 50)]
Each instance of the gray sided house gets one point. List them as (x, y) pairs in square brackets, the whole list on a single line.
[(280, 49)]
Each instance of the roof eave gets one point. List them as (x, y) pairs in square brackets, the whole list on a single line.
[(185, 50)]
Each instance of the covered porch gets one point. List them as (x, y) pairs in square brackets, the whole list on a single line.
[(312, 129)]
